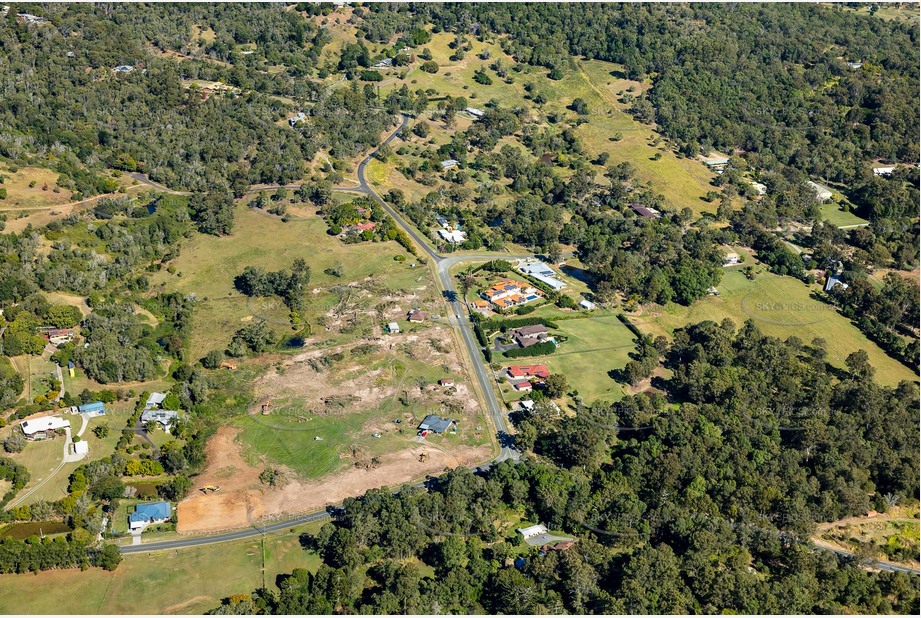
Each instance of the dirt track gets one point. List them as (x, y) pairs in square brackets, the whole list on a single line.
[(243, 500)]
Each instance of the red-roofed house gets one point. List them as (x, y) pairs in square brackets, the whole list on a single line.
[(361, 227), (523, 387), (528, 371)]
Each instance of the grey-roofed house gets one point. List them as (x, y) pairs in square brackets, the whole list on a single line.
[(436, 424), (154, 400), (164, 417)]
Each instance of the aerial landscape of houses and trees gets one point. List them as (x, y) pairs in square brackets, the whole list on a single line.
[(469, 308)]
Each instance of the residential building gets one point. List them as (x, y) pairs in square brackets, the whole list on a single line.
[(455, 236), (528, 371), (436, 424), (368, 225), (643, 211), (393, 328), (165, 418), (81, 448), (542, 273), (155, 400), (509, 293), (449, 163), (299, 117), (446, 382), (834, 281), (527, 336), (30, 19), (532, 531), (855, 65), (587, 304), (822, 193), (123, 68), (883, 171), (476, 113), (45, 427), (149, 513), (523, 387), (760, 188), (386, 63), (417, 316)]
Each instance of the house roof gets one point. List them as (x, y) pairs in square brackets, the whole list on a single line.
[(45, 423), (523, 386), (94, 406), (435, 423), (530, 330), (150, 510), (532, 530), (82, 447), (393, 327), (523, 371), (164, 417), (156, 399), (365, 226), (586, 304), (649, 213)]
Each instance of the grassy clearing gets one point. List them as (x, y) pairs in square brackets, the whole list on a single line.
[(595, 345), (833, 213), (207, 266), (20, 196), (781, 307), (188, 582)]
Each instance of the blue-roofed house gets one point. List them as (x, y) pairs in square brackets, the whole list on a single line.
[(95, 408), (149, 513)]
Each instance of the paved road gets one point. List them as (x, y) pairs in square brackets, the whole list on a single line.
[(236, 535), (459, 318)]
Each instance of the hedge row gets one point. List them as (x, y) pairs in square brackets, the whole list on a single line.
[(504, 325), (538, 349), (630, 325)]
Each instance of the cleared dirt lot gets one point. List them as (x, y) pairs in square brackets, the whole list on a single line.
[(243, 500)]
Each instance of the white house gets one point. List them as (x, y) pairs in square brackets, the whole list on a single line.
[(299, 117), (542, 273), (833, 282), (393, 328), (155, 400), (532, 531), (587, 304), (476, 113), (40, 428), (449, 163), (81, 448), (760, 188), (883, 171), (455, 236), (123, 68), (820, 192)]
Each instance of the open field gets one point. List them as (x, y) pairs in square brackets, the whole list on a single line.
[(594, 346), (20, 196), (188, 582), (208, 265), (781, 307), (833, 213)]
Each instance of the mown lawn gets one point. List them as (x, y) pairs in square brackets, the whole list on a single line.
[(190, 581), (781, 307), (832, 212), (594, 346)]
